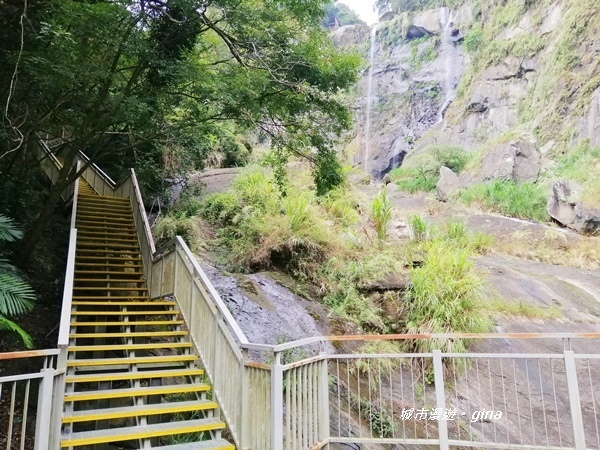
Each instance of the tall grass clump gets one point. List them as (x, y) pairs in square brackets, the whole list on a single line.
[(418, 227), (341, 206), (523, 200), (263, 229), (381, 214), (445, 297)]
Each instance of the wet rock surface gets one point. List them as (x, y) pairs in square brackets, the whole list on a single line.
[(267, 312)]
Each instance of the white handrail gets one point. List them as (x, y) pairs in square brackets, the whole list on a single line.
[(63, 334), (218, 301), (142, 210)]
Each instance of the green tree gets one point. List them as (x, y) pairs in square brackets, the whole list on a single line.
[(16, 296), (339, 14), (144, 82)]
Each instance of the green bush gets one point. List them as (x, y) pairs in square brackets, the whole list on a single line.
[(381, 214), (523, 200), (16, 295), (473, 39), (414, 180), (453, 157), (445, 297), (423, 173), (173, 225), (219, 209)]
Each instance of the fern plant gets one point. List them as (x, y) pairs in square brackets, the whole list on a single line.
[(16, 296)]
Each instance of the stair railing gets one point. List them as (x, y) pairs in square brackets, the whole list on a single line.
[(241, 388)]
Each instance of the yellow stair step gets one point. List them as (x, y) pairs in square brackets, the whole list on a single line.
[(136, 360), (96, 226), (140, 375), (102, 241), (213, 444), (135, 392), (97, 197), (127, 251), (125, 313), (124, 266), (130, 323), (134, 334), (104, 297), (138, 411), (105, 303), (128, 347), (110, 272), (111, 288), (141, 432), (98, 206), (108, 280), (108, 213)]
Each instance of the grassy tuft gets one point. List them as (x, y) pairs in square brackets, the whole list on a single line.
[(520, 309), (524, 200), (445, 296), (381, 214)]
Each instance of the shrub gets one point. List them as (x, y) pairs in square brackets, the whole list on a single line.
[(173, 225), (381, 214), (340, 204), (220, 209), (473, 39), (296, 208), (523, 200), (418, 227), (414, 180), (16, 296), (445, 297), (452, 156)]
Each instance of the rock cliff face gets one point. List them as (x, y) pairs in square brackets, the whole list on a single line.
[(482, 74)]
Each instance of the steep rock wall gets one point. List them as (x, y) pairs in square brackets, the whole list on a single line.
[(478, 75)]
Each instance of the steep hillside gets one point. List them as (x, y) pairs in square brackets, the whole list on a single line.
[(513, 83)]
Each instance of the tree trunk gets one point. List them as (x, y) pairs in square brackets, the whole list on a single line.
[(36, 231)]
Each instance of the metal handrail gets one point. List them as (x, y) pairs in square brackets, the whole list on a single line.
[(398, 337), (29, 354)]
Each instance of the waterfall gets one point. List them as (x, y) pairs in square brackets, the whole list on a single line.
[(369, 97), (446, 20)]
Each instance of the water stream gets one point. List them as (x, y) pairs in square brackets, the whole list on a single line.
[(446, 19), (369, 97)]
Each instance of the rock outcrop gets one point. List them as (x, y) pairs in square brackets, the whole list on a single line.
[(447, 185), (565, 206), (518, 161)]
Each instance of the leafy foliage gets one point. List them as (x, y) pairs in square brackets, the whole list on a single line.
[(445, 296), (422, 174), (381, 213), (16, 296), (163, 85), (339, 14), (523, 200)]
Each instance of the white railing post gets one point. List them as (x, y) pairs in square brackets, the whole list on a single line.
[(324, 430), (574, 400), (440, 398), (44, 411), (277, 403)]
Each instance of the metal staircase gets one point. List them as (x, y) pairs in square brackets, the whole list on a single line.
[(132, 379)]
